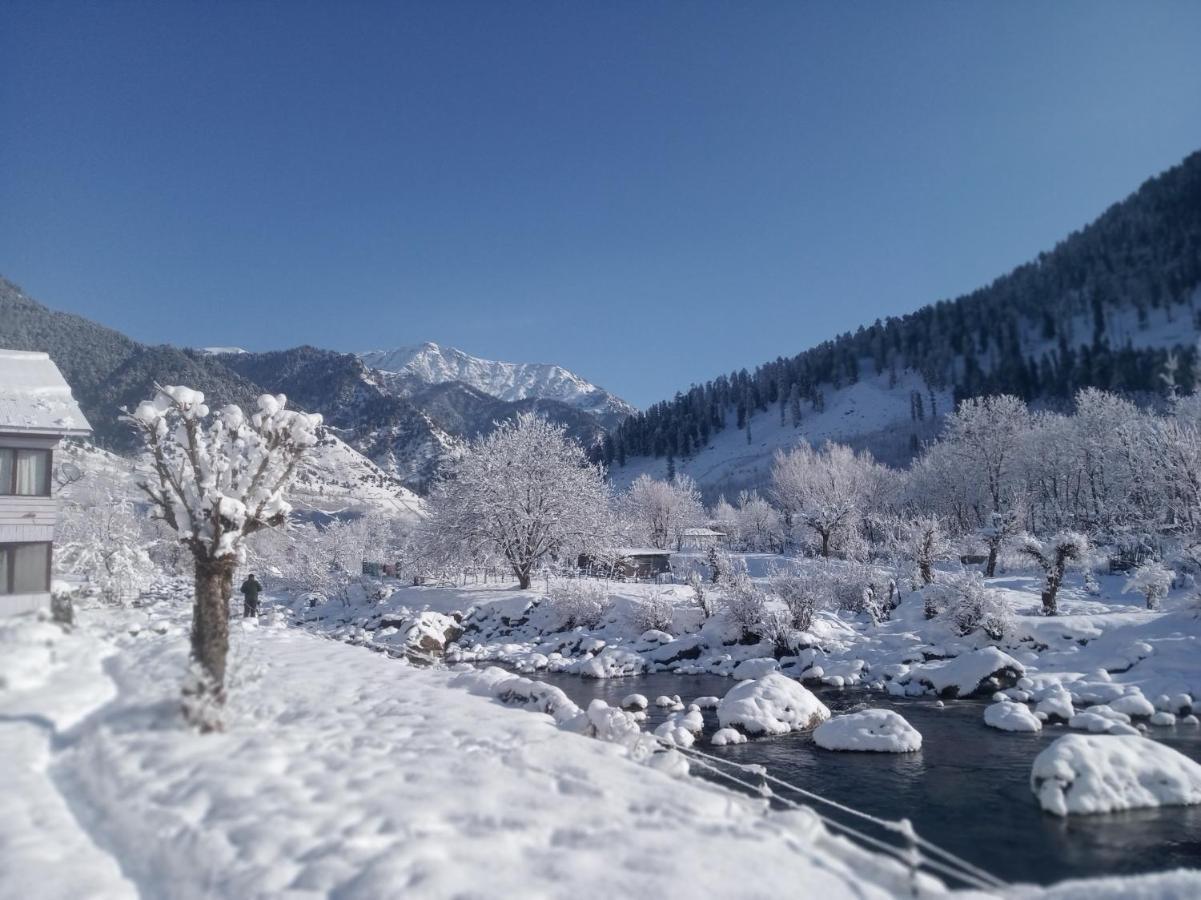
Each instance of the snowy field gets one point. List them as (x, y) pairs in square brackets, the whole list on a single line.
[(355, 774), (346, 773)]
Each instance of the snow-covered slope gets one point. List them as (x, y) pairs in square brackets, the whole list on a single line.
[(431, 364), (869, 414)]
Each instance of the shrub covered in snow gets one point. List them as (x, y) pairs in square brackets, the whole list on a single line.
[(1097, 774), (745, 602), (968, 605), (1153, 580), (802, 593), (861, 588), (653, 613), (879, 730), (578, 603), (773, 704)]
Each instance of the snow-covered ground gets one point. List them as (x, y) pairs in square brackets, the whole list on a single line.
[(346, 773)]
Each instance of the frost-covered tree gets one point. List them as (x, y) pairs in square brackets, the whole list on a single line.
[(757, 523), (926, 543), (986, 434), (215, 480), (658, 512), (1053, 557), (102, 539), (826, 490), (524, 493), (1153, 580)]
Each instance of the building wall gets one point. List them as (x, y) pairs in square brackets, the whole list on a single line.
[(25, 519), (15, 604)]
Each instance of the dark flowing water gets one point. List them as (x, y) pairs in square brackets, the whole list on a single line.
[(966, 790)]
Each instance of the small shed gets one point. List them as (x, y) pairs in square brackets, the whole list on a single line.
[(701, 538), (36, 412), (632, 563)]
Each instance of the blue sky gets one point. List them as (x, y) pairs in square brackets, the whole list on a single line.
[(648, 193)]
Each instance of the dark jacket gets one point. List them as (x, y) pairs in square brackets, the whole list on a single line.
[(251, 589)]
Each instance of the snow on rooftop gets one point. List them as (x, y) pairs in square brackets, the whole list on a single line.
[(34, 396), (639, 551)]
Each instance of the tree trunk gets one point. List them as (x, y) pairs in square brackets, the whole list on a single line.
[(210, 636), (990, 569), (927, 572), (523, 577), (825, 545), (1050, 590)]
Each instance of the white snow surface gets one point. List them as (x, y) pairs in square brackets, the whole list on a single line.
[(345, 773), (1009, 716), (773, 704), (1105, 773), (35, 397), (878, 730)]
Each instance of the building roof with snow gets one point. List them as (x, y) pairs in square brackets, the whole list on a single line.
[(35, 398), (703, 532)]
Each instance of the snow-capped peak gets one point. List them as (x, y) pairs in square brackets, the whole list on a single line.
[(429, 363), (218, 351)]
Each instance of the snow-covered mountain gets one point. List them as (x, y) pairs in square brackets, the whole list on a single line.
[(1115, 305), (410, 368)]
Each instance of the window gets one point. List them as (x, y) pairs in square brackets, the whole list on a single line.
[(25, 473), (24, 568)]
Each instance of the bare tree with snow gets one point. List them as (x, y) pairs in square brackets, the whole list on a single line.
[(926, 543), (1053, 557), (215, 481), (827, 490), (526, 493), (659, 512)]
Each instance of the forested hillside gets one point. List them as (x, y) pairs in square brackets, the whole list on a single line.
[(1107, 307)]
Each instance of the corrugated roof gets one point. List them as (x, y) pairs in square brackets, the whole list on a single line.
[(34, 396)]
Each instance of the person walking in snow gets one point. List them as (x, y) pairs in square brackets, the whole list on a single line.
[(250, 593)]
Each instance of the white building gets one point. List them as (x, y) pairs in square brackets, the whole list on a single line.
[(701, 538), (36, 412)]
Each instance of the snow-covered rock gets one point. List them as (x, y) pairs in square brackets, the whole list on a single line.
[(1132, 704), (879, 730), (981, 672), (1008, 716), (1102, 719), (773, 704), (1055, 703), (634, 702), (1095, 774), (1163, 719), (724, 736), (755, 668)]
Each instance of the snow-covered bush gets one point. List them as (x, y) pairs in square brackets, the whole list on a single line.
[(968, 605), (653, 613), (1153, 580), (926, 543), (1053, 557), (862, 588), (745, 602), (802, 593), (579, 603), (704, 597)]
